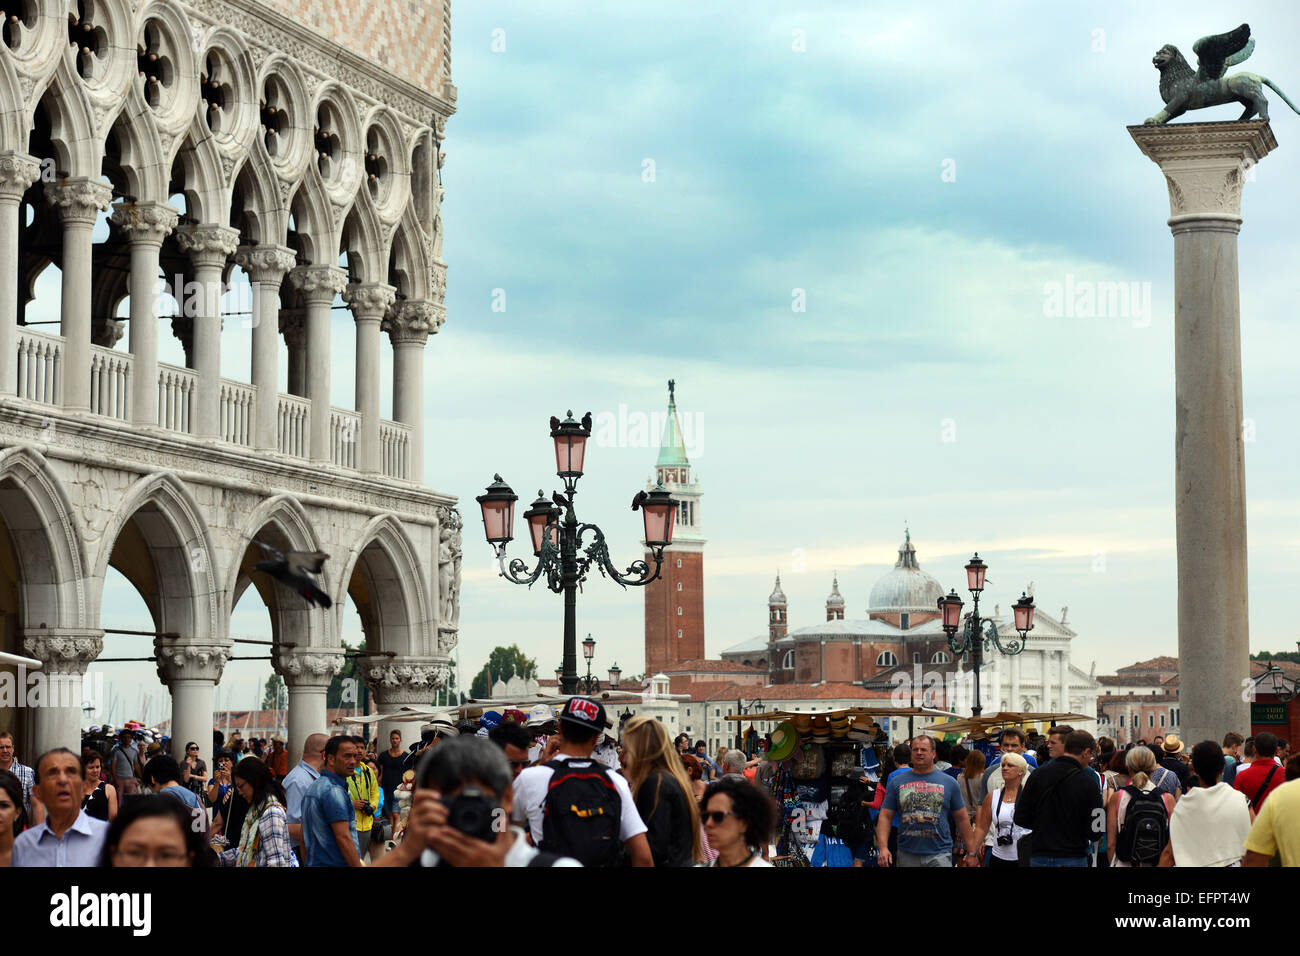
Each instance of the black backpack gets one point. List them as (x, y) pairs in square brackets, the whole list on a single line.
[(851, 819), (582, 813), (1146, 828)]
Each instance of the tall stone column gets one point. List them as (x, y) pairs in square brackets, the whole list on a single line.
[(403, 682), (145, 226), (409, 327), (266, 267), (79, 203), (293, 326), (1205, 166), (209, 247), (17, 173), (307, 674), (369, 303), (191, 671), (56, 695), (319, 286)]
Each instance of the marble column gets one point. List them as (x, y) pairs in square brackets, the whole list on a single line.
[(307, 674), (191, 670), (266, 267), (1205, 166), (17, 173), (294, 329), (369, 303), (209, 247), (319, 286), (79, 203), (145, 226), (409, 327), (403, 682), (55, 693)]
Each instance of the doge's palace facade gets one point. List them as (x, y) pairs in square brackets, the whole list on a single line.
[(155, 146)]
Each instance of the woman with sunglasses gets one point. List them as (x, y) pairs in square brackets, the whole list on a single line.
[(194, 772), (739, 819)]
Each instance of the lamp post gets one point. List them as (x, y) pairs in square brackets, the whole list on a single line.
[(1274, 681), (557, 536), (974, 638), (590, 685), (743, 709)]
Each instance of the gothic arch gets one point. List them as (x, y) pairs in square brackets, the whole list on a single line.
[(176, 573), (410, 260), (314, 220), (363, 241), (78, 148), (280, 81), (49, 549), (15, 119), (384, 578), (207, 195), (264, 214), (141, 158), (381, 124)]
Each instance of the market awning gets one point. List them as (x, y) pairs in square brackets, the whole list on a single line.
[(885, 711), (986, 722)]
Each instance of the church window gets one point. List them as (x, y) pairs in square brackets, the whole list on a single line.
[(679, 632), (916, 657), (679, 612), (679, 585), (886, 659), (904, 620), (787, 663), (1121, 720), (940, 657), (1152, 718), (1162, 720), (679, 562)]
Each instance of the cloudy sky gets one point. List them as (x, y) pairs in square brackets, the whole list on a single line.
[(842, 228)]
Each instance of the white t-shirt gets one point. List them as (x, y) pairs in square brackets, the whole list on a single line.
[(755, 861), (530, 789), (520, 853)]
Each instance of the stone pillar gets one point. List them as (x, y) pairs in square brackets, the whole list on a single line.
[(17, 173), (319, 286), (1065, 681), (294, 329), (209, 247), (403, 682), (191, 671), (1016, 699), (55, 697), (307, 674), (266, 267), (409, 327), (79, 203), (1205, 166), (369, 302), (145, 226)]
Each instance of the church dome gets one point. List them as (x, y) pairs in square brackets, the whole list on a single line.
[(907, 587), (777, 596)]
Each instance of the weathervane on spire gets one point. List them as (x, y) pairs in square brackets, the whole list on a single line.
[(672, 384)]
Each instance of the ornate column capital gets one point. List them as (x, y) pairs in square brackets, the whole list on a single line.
[(293, 328), (319, 284), (79, 201), (191, 661), (64, 650), (406, 680), (266, 264), (438, 278), (313, 667), (412, 323), (106, 333), (369, 301), (17, 173), (208, 244), (1205, 164), (145, 222)]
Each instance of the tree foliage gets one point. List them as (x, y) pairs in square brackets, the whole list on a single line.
[(346, 687), (1292, 656), (502, 664), (274, 695)]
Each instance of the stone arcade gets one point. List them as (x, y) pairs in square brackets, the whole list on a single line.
[(300, 141)]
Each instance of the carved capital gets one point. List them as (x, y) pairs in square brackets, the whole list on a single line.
[(438, 279), (106, 333), (64, 651), (405, 680), (293, 328), (319, 284), (1205, 165), (308, 668), (17, 173), (79, 201), (370, 301), (448, 638), (413, 322), (207, 245), (191, 661), (266, 264), (145, 222)]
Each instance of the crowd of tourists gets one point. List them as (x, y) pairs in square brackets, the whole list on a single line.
[(541, 789)]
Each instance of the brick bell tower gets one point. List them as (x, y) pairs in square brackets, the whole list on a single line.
[(674, 604)]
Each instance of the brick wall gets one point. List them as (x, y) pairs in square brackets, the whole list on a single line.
[(662, 622)]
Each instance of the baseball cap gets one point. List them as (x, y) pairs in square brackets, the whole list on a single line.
[(584, 712)]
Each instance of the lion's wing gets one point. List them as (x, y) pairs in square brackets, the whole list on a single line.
[(1216, 53)]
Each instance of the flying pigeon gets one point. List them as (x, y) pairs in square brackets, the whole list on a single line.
[(294, 569)]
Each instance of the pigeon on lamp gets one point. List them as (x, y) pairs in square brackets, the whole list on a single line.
[(295, 569)]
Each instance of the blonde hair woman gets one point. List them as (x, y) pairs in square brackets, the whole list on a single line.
[(1141, 763), (663, 793), (996, 822)]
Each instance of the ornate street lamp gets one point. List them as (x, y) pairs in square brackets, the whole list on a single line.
[(1274, 681), (615, 672), (557, 537), (981, 634), (590, 685)]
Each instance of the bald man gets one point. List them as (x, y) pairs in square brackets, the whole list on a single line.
[(302, 776)]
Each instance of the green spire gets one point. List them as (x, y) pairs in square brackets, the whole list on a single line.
[(672, 447)]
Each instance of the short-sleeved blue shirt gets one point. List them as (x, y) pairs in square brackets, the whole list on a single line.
[(326, 802), (922, 805)]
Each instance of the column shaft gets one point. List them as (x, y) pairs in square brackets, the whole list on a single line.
[(145, 226), (368, 393), (319, 286), (266, 267), (307, 716), (408, 399), (17, 173), (207, 351)]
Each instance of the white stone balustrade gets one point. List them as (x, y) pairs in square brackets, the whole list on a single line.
[(238, 406), (40, 366), (110, 383), (395, 449), (345, 432), (293, 421), (176, 388)]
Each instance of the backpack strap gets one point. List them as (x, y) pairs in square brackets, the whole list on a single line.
[(1259, 794)]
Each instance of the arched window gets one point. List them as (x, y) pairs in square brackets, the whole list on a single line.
[(887, 659), (679, 632), (940, 657), (916, 657), (679, 612), (787, 662), (679, 585)]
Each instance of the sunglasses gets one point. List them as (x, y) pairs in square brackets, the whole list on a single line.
[(717, 816)]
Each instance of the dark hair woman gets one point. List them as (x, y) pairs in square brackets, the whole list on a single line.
[(154, 830), (264, 836), (739, 819), (13, 818), (100, 800)]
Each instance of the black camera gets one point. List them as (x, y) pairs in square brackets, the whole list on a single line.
[(473, 813), (1004, 839)]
